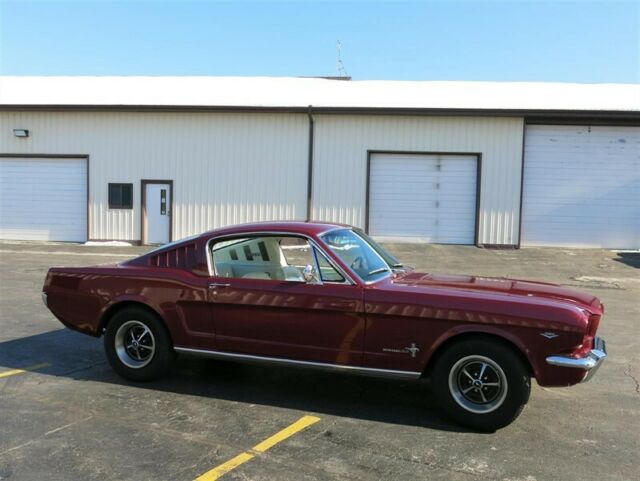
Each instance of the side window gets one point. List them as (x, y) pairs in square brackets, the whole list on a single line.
[(265, 257), (248, 257), (296, 252), (327, 271), (278, 258)]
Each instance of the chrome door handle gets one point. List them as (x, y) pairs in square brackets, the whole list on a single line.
[(214, 285)]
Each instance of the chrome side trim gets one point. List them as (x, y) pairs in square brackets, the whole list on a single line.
[(590, 363), (292, 362), (331, 229)]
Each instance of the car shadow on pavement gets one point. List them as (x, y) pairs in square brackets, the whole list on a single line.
[(76, 356), (629, 258)]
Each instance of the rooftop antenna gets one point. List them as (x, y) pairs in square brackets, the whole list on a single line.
[(342, 72)]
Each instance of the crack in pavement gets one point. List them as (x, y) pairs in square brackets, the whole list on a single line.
[(52, 431), (433, 464), (627, 372)]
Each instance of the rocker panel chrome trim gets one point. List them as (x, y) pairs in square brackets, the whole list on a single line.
[(317, 365)]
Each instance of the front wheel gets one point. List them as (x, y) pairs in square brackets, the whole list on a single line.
[(137, 345), (481, 384)]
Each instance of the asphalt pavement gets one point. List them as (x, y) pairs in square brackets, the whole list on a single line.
[(65, 415)]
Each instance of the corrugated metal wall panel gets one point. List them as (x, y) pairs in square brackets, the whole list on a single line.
[(227, 168), (342, 142)]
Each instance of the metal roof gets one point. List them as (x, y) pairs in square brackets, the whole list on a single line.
[(291, 93)]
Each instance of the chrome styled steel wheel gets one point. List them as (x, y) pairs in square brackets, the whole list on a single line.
[(135, 344), (481, 382), (478, 384)]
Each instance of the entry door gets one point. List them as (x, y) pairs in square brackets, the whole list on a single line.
[(157, 204)]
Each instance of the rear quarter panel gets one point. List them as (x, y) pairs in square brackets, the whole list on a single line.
[(81, 298)]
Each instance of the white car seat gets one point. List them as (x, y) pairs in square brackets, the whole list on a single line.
[(291, 273), (256, 275)]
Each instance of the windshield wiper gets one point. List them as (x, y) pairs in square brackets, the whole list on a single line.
[(377, 271)]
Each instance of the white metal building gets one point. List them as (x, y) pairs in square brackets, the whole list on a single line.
[(153, 159)]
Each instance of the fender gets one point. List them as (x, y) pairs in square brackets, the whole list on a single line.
[(481, 329), (138, 299)]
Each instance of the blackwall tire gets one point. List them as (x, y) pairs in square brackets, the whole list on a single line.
[(137, 345), (481, 384)]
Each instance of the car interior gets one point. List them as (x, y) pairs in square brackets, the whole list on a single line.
[(269, 257)]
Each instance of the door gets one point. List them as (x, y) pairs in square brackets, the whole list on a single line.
[(43, 199), (156, 208), (581, 186), (427, 198), (261, 304)]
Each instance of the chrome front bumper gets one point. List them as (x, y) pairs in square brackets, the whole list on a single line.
[(590, 363), (44, 299)]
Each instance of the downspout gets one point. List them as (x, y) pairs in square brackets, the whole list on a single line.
[(310, 164)]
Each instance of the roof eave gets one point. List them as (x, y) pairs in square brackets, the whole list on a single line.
[(533, 114)]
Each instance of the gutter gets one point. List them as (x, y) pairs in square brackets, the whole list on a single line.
[(631, 117)]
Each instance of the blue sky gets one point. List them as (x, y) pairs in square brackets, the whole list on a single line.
[(568, 41)]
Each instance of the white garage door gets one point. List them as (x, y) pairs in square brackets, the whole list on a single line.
[(43, 199), (582, 187), (429, 198)]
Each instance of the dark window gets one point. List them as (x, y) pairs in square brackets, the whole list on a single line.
[(120, 196)]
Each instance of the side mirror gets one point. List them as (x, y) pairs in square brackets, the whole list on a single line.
[(310, 275)]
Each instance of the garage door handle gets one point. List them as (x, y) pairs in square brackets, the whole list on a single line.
[(215, 285)]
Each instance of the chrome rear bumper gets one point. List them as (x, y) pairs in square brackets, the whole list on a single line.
[(590, 363)]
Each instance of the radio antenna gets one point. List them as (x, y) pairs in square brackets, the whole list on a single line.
[(342, 72)]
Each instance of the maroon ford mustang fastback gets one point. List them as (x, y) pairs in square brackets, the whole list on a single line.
[(327, 296)]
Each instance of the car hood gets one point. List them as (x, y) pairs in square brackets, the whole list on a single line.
[(502, 286)]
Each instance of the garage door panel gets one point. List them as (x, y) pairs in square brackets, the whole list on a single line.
[(423, 197), (43, 199), (582, 186)]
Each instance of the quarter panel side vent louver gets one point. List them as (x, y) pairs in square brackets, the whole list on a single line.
[(183, 257)]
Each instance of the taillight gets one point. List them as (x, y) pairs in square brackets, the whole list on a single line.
[(47, 281)]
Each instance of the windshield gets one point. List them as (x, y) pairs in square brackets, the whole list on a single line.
[(357, 253), (388, 258)]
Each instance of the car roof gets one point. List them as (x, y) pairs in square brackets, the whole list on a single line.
[(285, 227), (293, 227)]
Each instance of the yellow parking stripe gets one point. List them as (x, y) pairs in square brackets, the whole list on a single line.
[(218, 471), (13, 372), (287, 432), (224, 468)]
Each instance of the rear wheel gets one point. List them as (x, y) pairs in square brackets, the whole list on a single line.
[(481, 384), (137, 345)]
